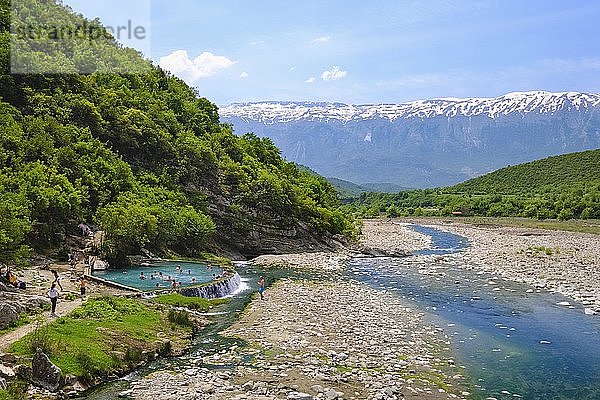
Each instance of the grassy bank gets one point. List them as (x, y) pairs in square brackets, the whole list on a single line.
[(583, 226), (193, 303), (107, 335)]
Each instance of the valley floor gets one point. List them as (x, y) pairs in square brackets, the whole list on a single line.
[(336, 339), (311, 339)]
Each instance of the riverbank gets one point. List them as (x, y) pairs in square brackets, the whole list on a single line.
[(335, 339), (557, 261), (330, 340), (378, 237)]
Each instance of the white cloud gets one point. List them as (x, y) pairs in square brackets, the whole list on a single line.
[(203, 66), (292, 69), (310, 80), (244, 75), (334, 74), (322, 39)]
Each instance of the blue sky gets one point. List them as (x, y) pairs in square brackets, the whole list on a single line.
[(358, 52)]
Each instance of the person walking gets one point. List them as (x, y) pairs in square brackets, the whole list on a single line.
[(56, 279), (261, 287), (53, 294)]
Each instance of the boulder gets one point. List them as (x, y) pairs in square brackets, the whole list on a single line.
[(23, 371), (377, 252), (9, 313), (8, 358), (45, 374), (35, 303), (6, 372)]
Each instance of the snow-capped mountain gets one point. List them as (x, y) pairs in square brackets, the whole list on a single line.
[(427, 142), (518, 102)]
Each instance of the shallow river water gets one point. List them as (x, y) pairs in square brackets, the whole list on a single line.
[(513, 341)]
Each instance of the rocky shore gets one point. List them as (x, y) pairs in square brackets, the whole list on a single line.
[(311, 340), (557, 261), (391, 237), (379, 238), (316, 340)]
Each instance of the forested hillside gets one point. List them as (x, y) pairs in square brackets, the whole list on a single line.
[(145, 158), (545, 175), (562, 187)]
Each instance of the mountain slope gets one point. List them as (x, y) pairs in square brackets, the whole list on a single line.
[(548, 174), (142, 156), (562, 187), (429, 143)]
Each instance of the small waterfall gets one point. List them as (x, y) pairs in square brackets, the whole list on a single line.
[(214, 290)]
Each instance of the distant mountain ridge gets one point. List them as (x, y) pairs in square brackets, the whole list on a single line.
[(347, 189), (425, 143), (540, 102)]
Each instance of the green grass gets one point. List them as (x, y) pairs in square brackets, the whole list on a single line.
[(583, 226), (575, 225), (16, 390), (90, 339), (193, 303), (436, 378)]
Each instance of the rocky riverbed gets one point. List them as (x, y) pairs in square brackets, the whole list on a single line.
[(311, 340), (391, 236), (557, 261), (379, 238)]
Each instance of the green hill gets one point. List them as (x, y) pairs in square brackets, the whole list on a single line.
[(563, 187), (545, 175), (140, 155)]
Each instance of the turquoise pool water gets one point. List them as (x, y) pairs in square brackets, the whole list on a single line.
[(160, 275)]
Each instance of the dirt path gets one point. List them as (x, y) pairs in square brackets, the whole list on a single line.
[(62, 309)]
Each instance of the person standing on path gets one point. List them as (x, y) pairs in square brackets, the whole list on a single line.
[(82, 287), (261, 287), (56, 279), (53, 294)]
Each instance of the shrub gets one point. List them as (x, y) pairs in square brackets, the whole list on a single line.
[(87, 365), (40, 338), (133, 355), (181, 318)]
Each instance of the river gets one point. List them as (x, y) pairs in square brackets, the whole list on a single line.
[(514, 341)]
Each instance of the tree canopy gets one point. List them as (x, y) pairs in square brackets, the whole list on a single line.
[(141, 155)]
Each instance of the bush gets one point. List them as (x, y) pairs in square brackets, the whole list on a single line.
[(181, 318), (87, 365), (133, 355), (40, 338)]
